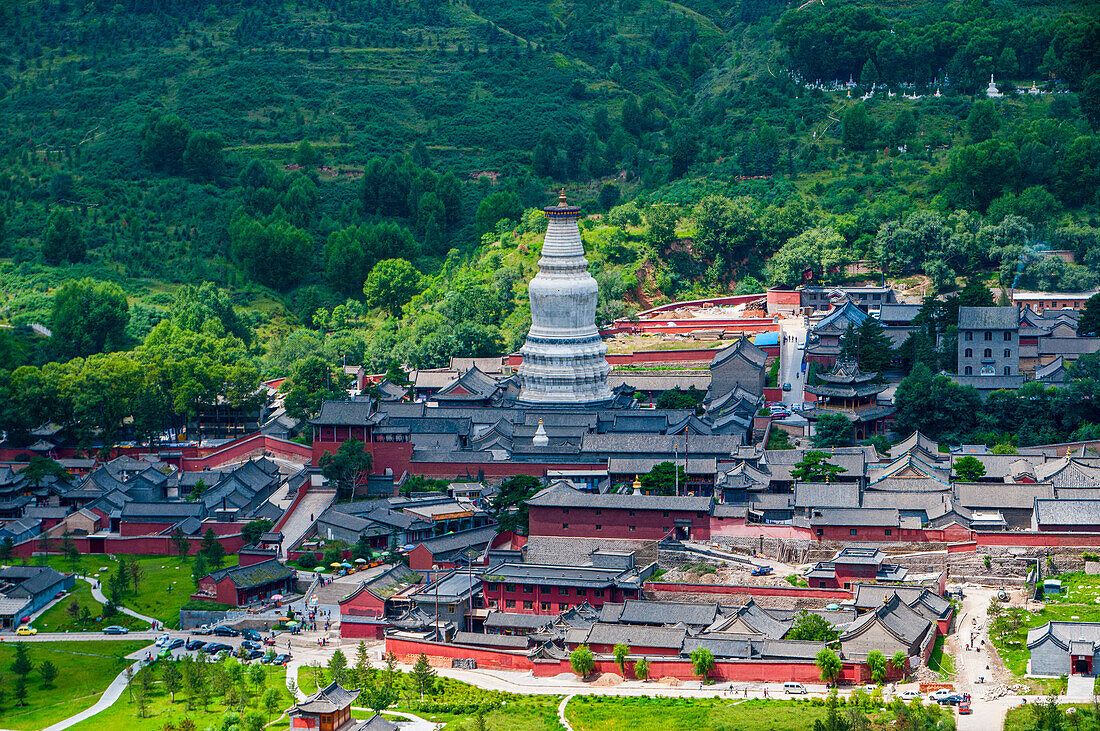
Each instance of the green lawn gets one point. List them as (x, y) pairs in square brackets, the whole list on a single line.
[(58, 619), (605, 713), (1080, 601), (85, 669), (1022, 718), (164, 588), (161, 710), (941, 662)]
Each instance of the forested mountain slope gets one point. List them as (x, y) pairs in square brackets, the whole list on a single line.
[(284, 151)]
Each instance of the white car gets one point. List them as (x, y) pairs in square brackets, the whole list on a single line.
[(162, 640), (940, 694), (909, 695), (869, 688)]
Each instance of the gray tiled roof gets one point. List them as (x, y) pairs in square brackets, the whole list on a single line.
[(582, 576), (561, 495), (1067, 512), (826, 495), (514, 620), (988, 318), (503, 642), (257, 574), (636, 635), (635, 611)]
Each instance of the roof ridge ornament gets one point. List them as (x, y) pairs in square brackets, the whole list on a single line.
[(562, 201)]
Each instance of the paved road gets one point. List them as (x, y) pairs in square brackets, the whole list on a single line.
[(790, 358), (308, 510)]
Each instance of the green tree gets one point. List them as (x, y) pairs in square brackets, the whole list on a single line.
[(62, 240), (621, 652), (829, 664), (812, 627), (583, 661), (509, 507), (311, 383), (496, 207), (171, 676), (660, 220), (338, 666), (88, 317), (969, 469), (255, 528), (21, 691), (391, 284), (179, 540), (21, 664), (868, 345), (900, 661), (203, 159), (876, 663), (702, 661), (39, 468), (344, 467), (858, 128), (816, 254), (814, 467), (935, 405), (1089, 323), (272, 252), (663, 479), (641, 669), (833, 430), (982, 121), (422, 675), (164, 141), (48, 672), (675, 398), (212, 549), (726, 228)]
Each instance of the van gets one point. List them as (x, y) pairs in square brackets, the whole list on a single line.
[(794, 688)]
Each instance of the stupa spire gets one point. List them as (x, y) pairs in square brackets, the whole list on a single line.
[(563, 357)]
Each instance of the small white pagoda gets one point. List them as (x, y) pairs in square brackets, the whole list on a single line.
[(992, 91)]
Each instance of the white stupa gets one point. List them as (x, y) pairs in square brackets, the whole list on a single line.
[(992, 91), (563, 357)]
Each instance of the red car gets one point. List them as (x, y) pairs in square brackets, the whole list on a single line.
[(964, 708)]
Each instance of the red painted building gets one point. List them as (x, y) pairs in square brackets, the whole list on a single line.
[(242, 585), (853, 566), (540, 589), (561, 510)]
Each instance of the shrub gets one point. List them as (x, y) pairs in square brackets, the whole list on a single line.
[(307, 561)]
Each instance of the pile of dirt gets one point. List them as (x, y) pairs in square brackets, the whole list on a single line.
[(670, 681), (608, 680)]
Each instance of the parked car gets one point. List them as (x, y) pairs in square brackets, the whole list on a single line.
[(948, 698), (281, 659), (203, 630), (761, 570), (254, 654), (794, 688), (114, 629), (869, 688), (178, 642), (940, 694), (251, 634), (162, 640), (909, 695), (222, 631), (164, 654), (25, 630), (787, 386), (194, 645), (964, 708), (216, 647)]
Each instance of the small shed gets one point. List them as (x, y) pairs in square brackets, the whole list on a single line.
[(1052, 587)]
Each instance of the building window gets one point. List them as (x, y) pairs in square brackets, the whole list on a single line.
[(968, 371), (987, 353), (597, 593), (528, 589), (1008, 337), (631, 513), (1008, 370), (988, 335), (528, 605), (562, 606), (851, 531), (492, 602), (565, 510), (599, 512), (889, 532), (490, 586), (563, 590), (631, 529), (665, 514), (545, 606), (1008, 353), (599, 527), (969, 353), (564, 525), (509, 587), (510, 603), (970, 336), (582, 592)]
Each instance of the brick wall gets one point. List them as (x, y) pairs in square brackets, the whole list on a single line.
[(793, 591)]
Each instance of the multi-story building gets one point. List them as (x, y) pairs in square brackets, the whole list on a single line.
[(1040, 301), (989, 348)]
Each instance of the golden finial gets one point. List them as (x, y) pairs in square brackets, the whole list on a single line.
[(562, 203), (637, 483)]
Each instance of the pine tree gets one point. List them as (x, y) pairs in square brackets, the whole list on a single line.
[(422, 674), (22, 665)]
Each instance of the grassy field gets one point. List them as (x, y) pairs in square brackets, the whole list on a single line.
[(85, 669), (58, 619), (1022, 718), (161, 710), (1079, 601), (599, 713), (164, 588), (941, 662)]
